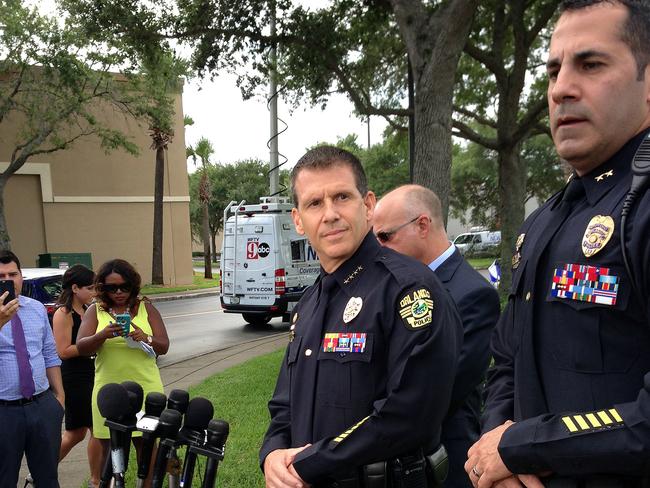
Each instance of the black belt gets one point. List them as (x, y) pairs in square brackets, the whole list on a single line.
[(22, 401)]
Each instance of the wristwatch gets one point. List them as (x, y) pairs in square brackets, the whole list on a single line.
[(149, 339)]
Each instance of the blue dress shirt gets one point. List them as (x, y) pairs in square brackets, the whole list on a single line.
[(40, 346), (443, 257)]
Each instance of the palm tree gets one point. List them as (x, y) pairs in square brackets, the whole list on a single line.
[(160, 140), (204, 150)]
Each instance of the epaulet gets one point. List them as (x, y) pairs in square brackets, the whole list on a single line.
[(401, 267)]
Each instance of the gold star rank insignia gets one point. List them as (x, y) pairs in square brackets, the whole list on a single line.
[(416, 309), (606, 174), (597, 235)]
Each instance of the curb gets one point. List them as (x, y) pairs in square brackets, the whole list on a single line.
[(183, 295)]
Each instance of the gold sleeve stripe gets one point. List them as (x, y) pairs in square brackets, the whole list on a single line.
[(615, 414), (350, 430), (581, 422), (593, 420), (569, 424), (604, 417)]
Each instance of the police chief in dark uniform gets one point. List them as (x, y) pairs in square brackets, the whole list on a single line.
[(373, 348), (572, 351)]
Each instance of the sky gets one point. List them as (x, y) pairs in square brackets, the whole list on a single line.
[(240, 129)]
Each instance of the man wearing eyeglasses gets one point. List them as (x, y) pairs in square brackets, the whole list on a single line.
[(409, 220), (373, 348)]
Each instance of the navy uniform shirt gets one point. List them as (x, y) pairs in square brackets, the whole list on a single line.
[(374, 379), (572, 350)]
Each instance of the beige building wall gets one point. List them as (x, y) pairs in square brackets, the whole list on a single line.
[(84, 200)]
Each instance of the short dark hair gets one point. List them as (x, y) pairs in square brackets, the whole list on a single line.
[(76, 275), (6, 257), (324, 157), (126, 271), (636, 30)]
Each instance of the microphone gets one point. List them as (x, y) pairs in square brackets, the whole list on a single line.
[(154, 404), (113, 404), (178, 400), (199, 412), (168, 425), (218, 431), (135, 405)]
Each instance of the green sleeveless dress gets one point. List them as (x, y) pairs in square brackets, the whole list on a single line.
[(116, 362)]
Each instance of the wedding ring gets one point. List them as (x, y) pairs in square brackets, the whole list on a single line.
[(475, 472)]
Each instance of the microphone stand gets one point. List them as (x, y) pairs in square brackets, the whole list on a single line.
[(115, 465)]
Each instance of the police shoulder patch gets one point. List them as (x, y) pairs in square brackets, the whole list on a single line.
[(416, 308)]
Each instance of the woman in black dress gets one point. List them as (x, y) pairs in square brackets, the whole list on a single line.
[(78, 372)]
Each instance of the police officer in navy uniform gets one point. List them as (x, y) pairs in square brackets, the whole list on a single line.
[(572, 351), (409, 220), (369, 368)]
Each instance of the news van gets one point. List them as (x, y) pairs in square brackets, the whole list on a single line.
[(265, 264), (480, 241)]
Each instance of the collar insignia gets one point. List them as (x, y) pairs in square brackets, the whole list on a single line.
[(606, 174), (352, 309), (520, 242), (353, 275), (597, 235)]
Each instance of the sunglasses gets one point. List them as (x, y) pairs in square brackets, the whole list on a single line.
[(386, 235), (124, 287)]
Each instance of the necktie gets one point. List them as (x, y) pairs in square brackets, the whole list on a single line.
[(307, 372), (574, 191), (22, 356)]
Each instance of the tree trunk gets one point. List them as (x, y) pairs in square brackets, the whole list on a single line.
[(204, 196), (5, 241), (213, 242), (434, 43), (512, 196), (433, 112), (157, 256), (207, 259)]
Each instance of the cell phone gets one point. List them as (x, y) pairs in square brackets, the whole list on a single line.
[(8, 285), (124, 321)]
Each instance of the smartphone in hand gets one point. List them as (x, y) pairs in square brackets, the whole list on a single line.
[(124, 321), (8, 285)]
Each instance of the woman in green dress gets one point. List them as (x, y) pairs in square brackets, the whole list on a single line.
[(121, 355)]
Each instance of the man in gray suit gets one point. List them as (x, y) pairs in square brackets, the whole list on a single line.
[(409, 220)]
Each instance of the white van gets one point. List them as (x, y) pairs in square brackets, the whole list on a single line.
[(265, 264), (478, 242)]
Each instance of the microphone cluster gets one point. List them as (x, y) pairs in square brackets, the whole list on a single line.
[(161, 420)]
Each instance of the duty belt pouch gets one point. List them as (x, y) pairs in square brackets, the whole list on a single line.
[(437, 466), (409, 471), (375, 475)]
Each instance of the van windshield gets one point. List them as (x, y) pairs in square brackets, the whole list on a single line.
[(463, 239)]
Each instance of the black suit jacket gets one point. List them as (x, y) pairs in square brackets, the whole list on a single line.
[(478, 306)]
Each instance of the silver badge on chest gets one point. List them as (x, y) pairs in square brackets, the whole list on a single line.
[(352, 309)]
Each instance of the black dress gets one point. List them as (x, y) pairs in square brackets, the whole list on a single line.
[(78, 378)]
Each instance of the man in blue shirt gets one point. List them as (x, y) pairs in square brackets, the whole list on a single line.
[(31, 390), (409, 220)]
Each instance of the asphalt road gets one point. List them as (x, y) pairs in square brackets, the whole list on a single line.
[(198, 326)]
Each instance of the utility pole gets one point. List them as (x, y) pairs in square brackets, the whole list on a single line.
[(411, 89), (274, 173)]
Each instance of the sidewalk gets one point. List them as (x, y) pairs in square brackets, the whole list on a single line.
[(73, 470), (179, 295)]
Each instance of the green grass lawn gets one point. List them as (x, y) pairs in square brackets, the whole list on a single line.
[(199, 283), (480, 263)]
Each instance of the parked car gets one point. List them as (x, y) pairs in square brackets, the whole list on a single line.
[(44, 285), (480, 242)]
